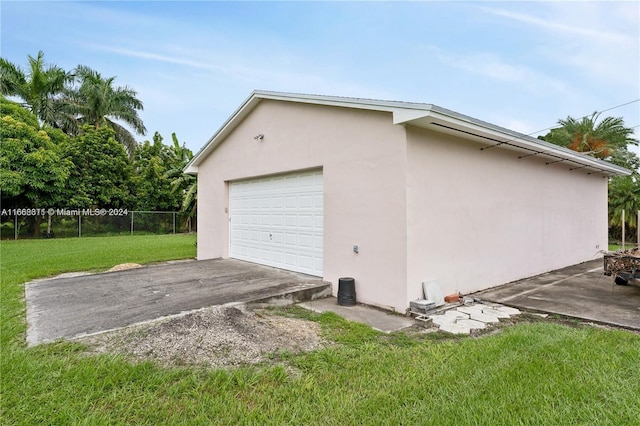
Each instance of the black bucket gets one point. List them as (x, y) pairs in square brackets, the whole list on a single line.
[(346, 292)]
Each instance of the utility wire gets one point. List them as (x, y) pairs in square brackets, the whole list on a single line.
[(546, 151), (588, 115)]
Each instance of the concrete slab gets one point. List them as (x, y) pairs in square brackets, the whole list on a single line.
[(580, 291), (456, 314), (486, 318), (377, 319), (495, 312), (444, 319), (509, 310), (472, 324), (455, 328), (473, 309), (75, 306)]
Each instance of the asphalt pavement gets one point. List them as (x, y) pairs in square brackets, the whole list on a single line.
[(579, 291), (72, 306)]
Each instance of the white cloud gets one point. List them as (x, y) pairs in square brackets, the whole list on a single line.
[(157, 57), (585, 30), (598, 40), (492, 66)]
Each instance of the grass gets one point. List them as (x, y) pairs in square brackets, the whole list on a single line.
[(530, 373), (615, 247)]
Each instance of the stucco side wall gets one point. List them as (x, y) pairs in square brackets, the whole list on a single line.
[(478, 219), (363, 158)]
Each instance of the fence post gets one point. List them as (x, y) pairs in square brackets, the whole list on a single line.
[(79, 225), (622, 229), (174, 222), (131, 222), (15, 227)]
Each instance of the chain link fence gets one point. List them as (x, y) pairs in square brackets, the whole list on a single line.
[(627, 236), (63, 223)]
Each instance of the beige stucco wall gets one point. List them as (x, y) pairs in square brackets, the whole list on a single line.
[(420, 205), (477, 219), (363, 158)]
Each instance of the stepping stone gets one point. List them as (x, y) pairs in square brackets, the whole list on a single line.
[(484, 318), (474, 309), (456, 314), (443, 319), (455, 329), (472, 324), (495, 312), (509, 311)]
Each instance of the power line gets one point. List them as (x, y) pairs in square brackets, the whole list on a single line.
[(618, 106), (546, 151), (588, 115)]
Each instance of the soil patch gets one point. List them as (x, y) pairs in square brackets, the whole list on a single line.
[(220, 336)]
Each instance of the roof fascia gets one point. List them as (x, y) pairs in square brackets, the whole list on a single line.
[(408, 113), (257, 95), (449, 119)]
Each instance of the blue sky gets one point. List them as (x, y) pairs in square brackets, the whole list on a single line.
[(521, 65)]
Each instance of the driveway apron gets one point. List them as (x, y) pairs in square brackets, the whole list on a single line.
[(81, 305)]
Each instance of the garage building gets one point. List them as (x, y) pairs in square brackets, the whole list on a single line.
[(394, 194)]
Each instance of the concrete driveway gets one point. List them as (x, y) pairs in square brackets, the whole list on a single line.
[(81, 305), (580, 291)]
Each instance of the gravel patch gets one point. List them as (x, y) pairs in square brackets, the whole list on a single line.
[(220, 336), (124, 267)]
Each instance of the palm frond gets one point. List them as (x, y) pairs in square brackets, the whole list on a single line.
[(123, 136)]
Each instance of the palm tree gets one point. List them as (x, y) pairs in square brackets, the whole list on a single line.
[(97, 102), (39, 89), (624, 194), (184, 183), (601, 140)]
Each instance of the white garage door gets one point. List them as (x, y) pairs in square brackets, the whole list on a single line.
[(277, 221)]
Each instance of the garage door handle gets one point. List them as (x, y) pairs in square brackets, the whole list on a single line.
[(270, 237)]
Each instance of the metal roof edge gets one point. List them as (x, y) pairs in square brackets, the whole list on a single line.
[(546, 147), (340, 101), (228, 125), (398, 108)]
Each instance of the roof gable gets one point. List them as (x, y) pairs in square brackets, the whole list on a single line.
[(421, 115)]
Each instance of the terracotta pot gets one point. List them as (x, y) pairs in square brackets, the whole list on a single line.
[(452, 298)]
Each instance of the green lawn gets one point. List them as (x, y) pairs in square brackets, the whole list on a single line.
[(627, 246), (530, 373)]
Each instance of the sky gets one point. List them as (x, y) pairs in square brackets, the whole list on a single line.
[(520, 65)]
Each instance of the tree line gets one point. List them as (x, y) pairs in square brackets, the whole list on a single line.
[(66, 143)]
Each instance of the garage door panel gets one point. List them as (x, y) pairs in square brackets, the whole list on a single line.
[(277, 202), (305, 221), (305, 241), (278, 237), (290, 220), (278, 221), (291, 202), (306, 201)]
